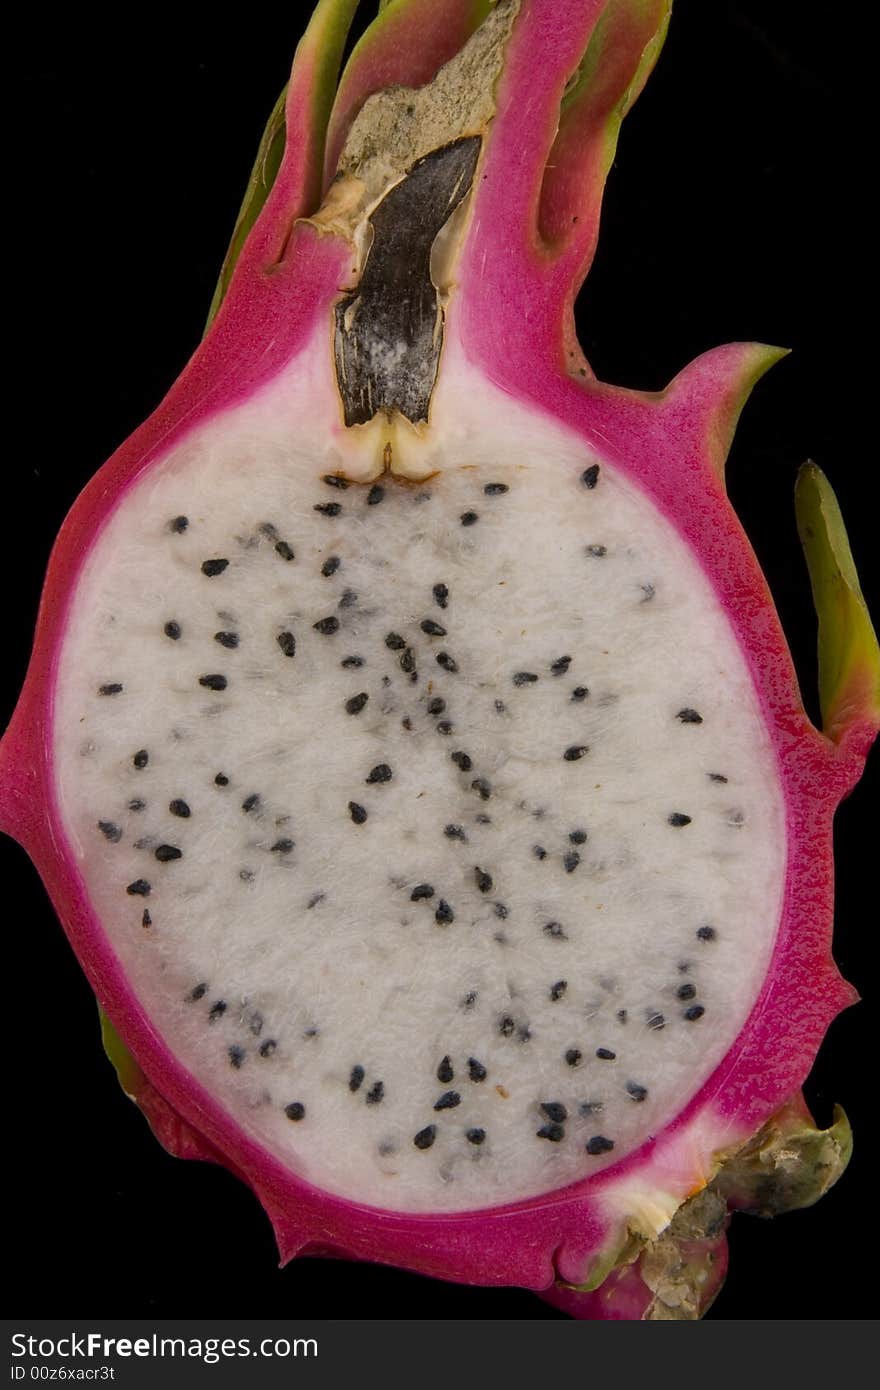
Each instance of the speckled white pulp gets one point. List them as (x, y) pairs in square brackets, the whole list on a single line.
[(574, 948)]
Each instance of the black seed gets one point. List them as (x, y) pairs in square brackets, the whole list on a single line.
[(395, 642), (408, 660), (648, 592), (139, 889), (636, 1091), (333, 480), (178, 524), (554, 1110), (221, 780), (469, 1000), (605, 1054), (576, 751), (483, 819), (328, 508), (114, 688), (256, 1024), (357, 812), (706, 933), (444, 914), (469, 518), (693, 1013), (686, 991), (574, 1057), (146, 919), (554, 929), (656, 1021), (578, 837), (500, 707), (179, 808), (445, 1071), (110, 831), (476, 1070), (441, 595), (501, 911), (356, 1078), (380, 773), (462, 760), (284, 550), (571, 860), (172, 630), (436, 706), (599, 1145), (482, 788), (326, 626), (590, 1107), (557, 990), (217, 1010), (689, 716), (524, 678), (539, 851), (330, 566), (425, 1137), (717, 777), (678, 818), (283, 846), (375, 1093), (236, 1055), (421, 890), (475, 1136), (445, 727), (136, 804), (313, 902), (506, 1026), (268, 1047), (251, 803), (375, 495), (555, 1133), (166, 853), (432, 629), (495, 489), (348, 600), (295, 1110), (213, 682), (356, 703), (351, 661), (226, 639), (597, 551), (579, 693), (448, 1101), (622, 1015), (483, 880), (287, 643), (445, 660), (213, 567), (199, 992), (590, 476), (560, 665), (454, 832)]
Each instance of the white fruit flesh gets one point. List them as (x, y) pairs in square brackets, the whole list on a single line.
[(301, 921)]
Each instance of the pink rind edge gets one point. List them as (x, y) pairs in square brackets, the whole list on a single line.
[(527, 1243)]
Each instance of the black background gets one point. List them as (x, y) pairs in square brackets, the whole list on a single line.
[(730, 214)]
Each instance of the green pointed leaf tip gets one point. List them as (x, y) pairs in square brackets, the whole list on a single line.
[(127, 1070), (323, 44), (849, 656)]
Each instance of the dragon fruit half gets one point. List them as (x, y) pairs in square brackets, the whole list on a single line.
[(410, 746)]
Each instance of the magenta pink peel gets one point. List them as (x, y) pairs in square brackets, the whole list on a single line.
[(512, 236)]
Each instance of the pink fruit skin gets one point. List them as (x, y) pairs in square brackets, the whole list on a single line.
[(511, 318)]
